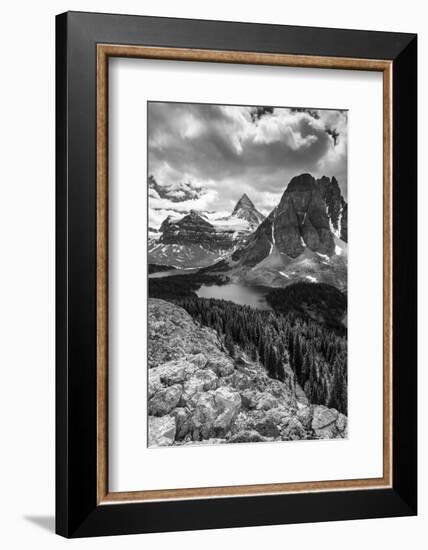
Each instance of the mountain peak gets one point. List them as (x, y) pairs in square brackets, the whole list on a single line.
[(244, 202), (303, 182), (194, 214), (245, 199), (246, 210), (195, 218)]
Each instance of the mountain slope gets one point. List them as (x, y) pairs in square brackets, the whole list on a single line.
[(296, 241), (299, 221), (198, 393)]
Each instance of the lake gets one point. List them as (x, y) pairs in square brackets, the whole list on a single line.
[(172, 272), (253, 296)]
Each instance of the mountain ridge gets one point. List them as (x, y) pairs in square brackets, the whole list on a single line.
[(302, 239), (197, 239)]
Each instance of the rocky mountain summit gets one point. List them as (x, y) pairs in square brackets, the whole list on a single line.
[(299, 239), (299, 221), (198, 393), (246, 210)]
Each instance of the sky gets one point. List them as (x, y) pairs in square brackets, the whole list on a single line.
[(205, 157)]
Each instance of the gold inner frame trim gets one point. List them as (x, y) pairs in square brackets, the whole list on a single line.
[(104, 51)]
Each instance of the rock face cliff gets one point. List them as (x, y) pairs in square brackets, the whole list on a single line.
[(197, 393), (300, 239), (299, 221), (337, 208)]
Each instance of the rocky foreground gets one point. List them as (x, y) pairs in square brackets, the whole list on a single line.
[(197, 393)]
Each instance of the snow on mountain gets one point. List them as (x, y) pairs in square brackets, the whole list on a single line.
[(298, 241), (202, 237), (246, 210)]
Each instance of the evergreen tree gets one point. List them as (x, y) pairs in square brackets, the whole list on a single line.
[(228, 342)]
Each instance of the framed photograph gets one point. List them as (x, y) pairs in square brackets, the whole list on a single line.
[(236, 274)]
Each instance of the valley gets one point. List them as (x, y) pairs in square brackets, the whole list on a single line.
[(273, 291)]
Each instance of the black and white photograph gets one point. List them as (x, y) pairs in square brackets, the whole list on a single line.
[(203, 346), (247, 263)]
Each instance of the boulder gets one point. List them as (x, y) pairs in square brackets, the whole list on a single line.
[(279, 415), (154, 384), (267, 427), (221, 365), (328, 432), (322, 417), (173, 372), (249, 399), (202, 380), (199, 360), (207, 378), (192, 386), (266, 401), (341, 422), (204, 415), (228, 404), (183, 422), (161, 431), (241, 381), (293, 430), (164, 400), (304, 415)]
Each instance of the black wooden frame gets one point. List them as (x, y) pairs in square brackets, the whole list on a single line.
[(77, 512)]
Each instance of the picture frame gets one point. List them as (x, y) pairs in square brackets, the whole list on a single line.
[(84, 44)]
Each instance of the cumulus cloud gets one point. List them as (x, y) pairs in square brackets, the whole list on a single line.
[(206, 156), (176, 191)]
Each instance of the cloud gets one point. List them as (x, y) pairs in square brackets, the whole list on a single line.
[(209, 155), (175, 192)]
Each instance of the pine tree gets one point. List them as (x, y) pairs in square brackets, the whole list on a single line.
[(228, 342)]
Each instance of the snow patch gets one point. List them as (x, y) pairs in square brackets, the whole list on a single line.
[(324, 256), (339, 223), (272, 239), (336, 232), (284, 274), (229, 223), (312, 279)]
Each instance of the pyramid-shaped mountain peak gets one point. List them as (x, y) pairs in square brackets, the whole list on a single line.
[(244, 202), (246, 210)]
